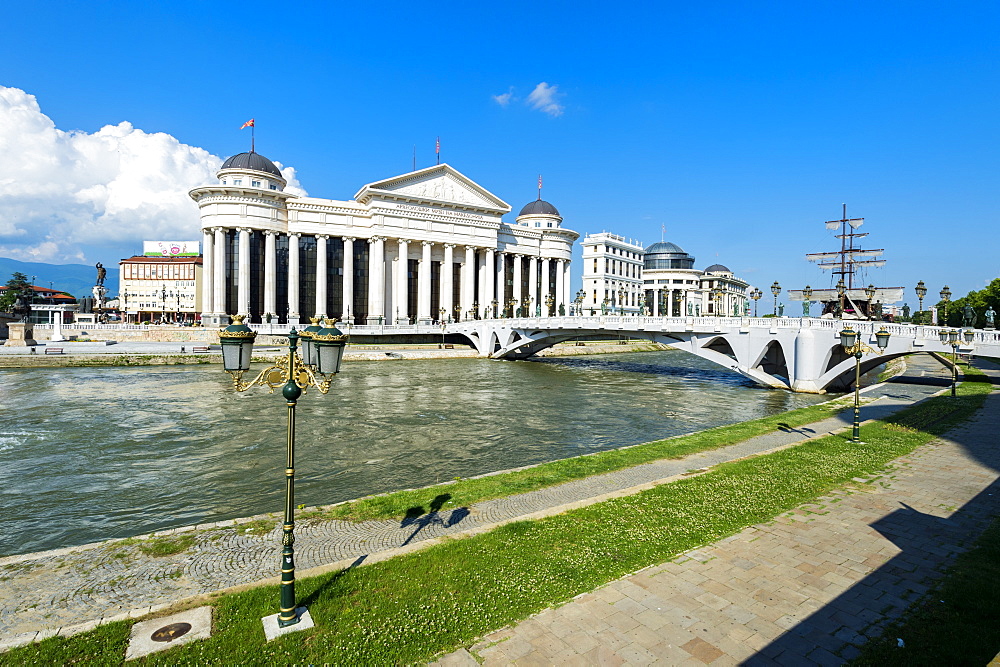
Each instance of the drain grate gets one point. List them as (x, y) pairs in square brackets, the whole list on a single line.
[(169, 633)]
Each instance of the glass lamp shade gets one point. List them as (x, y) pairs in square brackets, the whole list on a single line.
[(237, 345), (945, 294), (882, 338), (848, 337), (807, 292), (953, 336), (308, 347), (775, 288), (921, 290), (969, 334), (943, 335), (329, 349), (870, 292), (841, 287)]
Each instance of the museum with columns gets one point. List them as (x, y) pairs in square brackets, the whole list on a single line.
[(425, 246)]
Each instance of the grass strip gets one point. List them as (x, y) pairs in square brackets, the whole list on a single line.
[(409, 609), (462, 493), (956, 623)]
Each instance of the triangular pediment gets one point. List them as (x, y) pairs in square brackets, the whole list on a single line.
[(439, 185)]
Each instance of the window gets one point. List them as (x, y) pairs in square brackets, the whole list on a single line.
[(550, 224), (237, 181), (224, 181), (274, 187), (538, 224), (255, 184)]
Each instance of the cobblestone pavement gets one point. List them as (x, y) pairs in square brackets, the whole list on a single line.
[(70, 589), (807, 588)]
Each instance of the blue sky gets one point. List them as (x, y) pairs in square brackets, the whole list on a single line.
[(740, 127)]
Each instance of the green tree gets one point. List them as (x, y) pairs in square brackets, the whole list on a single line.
[(17, 284), (981, 301)]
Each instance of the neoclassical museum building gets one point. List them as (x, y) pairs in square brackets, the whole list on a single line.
[(425, 246)]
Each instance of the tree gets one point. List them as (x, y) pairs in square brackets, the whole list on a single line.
[(981, 301), (17, 285)]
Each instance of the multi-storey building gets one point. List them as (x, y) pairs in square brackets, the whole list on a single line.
[(612, 274), (426, 245), (159, 289), (659, 280)]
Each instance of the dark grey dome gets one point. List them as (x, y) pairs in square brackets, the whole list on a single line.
[(663, 247), (665, 255), (538, 207), (716, 268), (254, 161)]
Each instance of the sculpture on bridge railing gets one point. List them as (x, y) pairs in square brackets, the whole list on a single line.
[(990, 315), (968, 317)]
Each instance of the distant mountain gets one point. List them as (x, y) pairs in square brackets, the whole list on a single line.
[(77, 279)]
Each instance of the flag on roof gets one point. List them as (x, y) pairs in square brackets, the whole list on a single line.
[(249, 123)]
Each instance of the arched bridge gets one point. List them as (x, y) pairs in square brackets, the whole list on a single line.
[(801, 354)]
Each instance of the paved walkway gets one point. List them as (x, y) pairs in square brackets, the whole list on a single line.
[(69, 590), (808, 588)]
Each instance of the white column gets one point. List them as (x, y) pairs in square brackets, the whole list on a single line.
[(480, 296), (207, 273), (670, 302), (220, 271), (656, 302), (270, 274), (347, 310), (489, 289), (517, 283), (501, 283), (533, 284), (468, 280), (243, 281), (321, 274), (293, 278), (424, 284), (376, 280), (544, 282), (402, 284), (567, 287), (560, 287), (447, 298)]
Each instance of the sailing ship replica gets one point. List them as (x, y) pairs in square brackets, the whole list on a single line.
[(849, 298)]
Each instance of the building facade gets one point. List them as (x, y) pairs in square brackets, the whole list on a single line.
[(160, 289), (612, 274), (620, 276), (429, 245)]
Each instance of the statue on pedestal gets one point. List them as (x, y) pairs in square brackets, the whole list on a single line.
[(101, 274), (991, 316), (968, 317)]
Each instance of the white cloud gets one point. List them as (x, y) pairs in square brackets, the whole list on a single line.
[(504, 99), (544, 98), (61, 190)]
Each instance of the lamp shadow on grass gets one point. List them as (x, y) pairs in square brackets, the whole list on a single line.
[(422, 518), (785, 428), (310, 599)]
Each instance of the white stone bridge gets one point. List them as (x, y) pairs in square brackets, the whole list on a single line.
[(801, 354)]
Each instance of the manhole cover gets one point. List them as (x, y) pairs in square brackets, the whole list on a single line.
[(169, 633)]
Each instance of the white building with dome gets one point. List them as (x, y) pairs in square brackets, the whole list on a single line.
[(620, 276), (429, 245)]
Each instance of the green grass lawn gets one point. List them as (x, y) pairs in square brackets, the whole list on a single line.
[(410, 608)]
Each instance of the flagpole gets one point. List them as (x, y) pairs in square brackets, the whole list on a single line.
[(252, 138)]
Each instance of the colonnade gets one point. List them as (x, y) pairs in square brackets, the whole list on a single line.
[(482, 278)]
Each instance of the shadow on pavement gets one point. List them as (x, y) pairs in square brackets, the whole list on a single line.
[(928, 545)]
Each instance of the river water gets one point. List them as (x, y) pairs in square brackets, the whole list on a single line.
[(93, 453)]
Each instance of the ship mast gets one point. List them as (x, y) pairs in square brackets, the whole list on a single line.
[(849, 259)]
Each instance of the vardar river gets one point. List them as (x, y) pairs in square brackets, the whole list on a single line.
[(92, 453)]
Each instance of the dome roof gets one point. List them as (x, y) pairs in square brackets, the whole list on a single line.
[(538, 207), (715, 268), (663, 247), (253, 161)]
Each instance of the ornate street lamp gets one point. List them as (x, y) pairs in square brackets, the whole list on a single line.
[(441, 313), (308, 345), (806, 294), (493, 308), (621, 300), (921, 291), (475, 310), (870, 293), (946, 297), (841, 291), (853, 346), (526, 306), (775, 290), (549, 301), (580, 296), (954, 338), (755, 294), (294, 377), (716, 296)]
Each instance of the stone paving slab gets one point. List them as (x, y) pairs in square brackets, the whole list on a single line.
[(808, 588), (62, 589)]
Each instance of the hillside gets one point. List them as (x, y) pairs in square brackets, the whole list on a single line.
[(77, 279)]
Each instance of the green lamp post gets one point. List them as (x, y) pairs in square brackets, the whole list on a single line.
[(853, 346), (775, 290), (294, 376)]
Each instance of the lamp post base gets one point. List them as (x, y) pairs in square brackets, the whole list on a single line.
[(272, 630)]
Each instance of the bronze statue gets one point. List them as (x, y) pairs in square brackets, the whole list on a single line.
[(968, 317), (101, 274), (990, 315)]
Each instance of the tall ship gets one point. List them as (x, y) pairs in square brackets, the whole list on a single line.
[(849, 297)]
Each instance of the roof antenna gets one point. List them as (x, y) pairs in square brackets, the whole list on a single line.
[(539, 187), (414, 157)]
